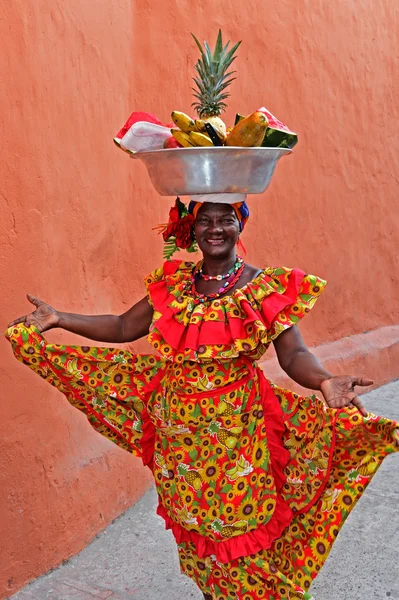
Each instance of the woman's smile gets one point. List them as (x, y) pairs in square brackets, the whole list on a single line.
[(215, 241)]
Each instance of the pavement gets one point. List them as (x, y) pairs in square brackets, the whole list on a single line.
[(136, 559)]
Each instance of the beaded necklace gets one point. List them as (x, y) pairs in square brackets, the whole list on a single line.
[(231, 277), (200, 274)]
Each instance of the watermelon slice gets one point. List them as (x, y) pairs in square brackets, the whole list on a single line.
[(277, 134), (134, 118)]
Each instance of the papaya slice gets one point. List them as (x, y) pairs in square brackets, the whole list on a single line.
[(248, 132)]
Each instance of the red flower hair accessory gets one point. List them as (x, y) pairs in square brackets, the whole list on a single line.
[(178, 233)]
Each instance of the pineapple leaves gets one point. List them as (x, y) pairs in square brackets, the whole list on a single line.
[(219, 46), (213, 76), (199, 45)]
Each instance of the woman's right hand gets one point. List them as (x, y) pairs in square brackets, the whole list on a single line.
[(43, 318)]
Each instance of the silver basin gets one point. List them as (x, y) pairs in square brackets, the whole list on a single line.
[(205, 170)]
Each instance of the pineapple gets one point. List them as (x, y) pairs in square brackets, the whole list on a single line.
[(368, 466), (225, 409), (226, 437), (227, 531), (191, 476), (212, 80)]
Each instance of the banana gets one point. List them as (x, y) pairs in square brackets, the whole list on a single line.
[(200, 139), (183, 121), (200, 125), (217, 124), (182, 137), (242, 463), (232, 473)]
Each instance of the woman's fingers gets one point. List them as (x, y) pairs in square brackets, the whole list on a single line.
[(26, 319), (359, 405), (362, 381), (35, 301), (16, 321)]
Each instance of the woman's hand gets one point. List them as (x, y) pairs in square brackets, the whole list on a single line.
[(340, 391), (43, 318)]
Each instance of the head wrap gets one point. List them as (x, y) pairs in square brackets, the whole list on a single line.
[(240, 208)]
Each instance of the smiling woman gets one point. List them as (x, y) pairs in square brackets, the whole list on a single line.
[(245, 472)]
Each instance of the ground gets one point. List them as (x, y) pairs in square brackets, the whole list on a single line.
[(135, 558)]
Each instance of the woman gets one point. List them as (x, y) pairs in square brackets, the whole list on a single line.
[(254, 481)]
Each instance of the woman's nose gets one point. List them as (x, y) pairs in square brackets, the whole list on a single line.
[(215, 226)]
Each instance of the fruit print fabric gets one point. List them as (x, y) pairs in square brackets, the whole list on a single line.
[(254, 481)]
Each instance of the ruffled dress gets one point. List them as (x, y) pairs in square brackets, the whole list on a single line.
[(254, 481)]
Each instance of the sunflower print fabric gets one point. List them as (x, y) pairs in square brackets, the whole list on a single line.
[(254, 481)]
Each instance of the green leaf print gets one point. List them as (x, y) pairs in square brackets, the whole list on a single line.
[(312, 279), (248, 495), (226, 488), (251, 428), (197, 411), (294, 318), (312, 467), (265, 463), (193, 454), (25, 335), (295, 419)]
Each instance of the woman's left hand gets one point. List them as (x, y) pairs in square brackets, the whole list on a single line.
[(340, 391)]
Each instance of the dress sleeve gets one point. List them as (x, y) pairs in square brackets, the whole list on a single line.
[(288, 295), (169, 276), (153, 277)]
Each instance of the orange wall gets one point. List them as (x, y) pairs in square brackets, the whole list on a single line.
[(76, 213)]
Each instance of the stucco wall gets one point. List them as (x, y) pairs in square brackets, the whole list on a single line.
[(76, 213)]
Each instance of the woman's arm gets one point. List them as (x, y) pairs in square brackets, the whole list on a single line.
[(115, 329), (303, 367), (297, 361)]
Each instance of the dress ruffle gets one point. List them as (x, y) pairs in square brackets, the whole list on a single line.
[(244, 322), (242, 545)]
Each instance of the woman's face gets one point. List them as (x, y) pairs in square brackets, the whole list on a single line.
[(216, 229)]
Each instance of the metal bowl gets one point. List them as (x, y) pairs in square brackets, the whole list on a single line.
[(206, 170)]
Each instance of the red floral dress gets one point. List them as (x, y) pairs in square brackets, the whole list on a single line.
[(254, 481)]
